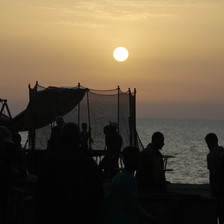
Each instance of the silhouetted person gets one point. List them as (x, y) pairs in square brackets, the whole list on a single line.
[(151, 174), (215, 162), (113, 143), (69, 189), (122, 205), (21, 164), (53, 142), (85, 138), (7, 165)]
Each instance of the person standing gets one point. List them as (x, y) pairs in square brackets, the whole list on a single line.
[(113, 142), (85, 138), (215, 163), (56, 134), (151, 174)]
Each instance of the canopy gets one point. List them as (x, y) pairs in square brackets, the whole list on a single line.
[(46, 104), (97, 108)]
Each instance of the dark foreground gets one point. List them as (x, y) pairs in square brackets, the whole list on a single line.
[(182, 204)]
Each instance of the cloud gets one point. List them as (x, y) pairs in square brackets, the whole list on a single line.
[(86, 24), (101, 13)]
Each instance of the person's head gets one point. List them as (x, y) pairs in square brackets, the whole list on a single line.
[(84, 126), (106, 130), (131, 157), (211, 140), (59, 121), (17, 138), (157, 140), (70, 134), (114, 127)]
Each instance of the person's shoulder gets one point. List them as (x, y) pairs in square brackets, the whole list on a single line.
[(124, 178), (118, 136), (85, 157), (55, 128), (147, 150), (128, 179), (83, 132), (218, 151), (221, 149), (11, 146), (149, 147)]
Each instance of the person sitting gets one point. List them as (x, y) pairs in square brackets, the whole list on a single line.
[(122, 204), (151, 174)]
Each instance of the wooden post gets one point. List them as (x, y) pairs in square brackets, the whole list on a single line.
[(118, 108), (89, 121)]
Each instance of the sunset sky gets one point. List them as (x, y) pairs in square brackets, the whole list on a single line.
[(176, 51)]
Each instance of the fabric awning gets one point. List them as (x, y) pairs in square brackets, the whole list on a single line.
[(45, 105)]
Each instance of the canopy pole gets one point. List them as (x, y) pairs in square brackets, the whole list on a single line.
[(32, 133), (134, 119), (130, 119), (79, 108), (118, 107), (90, 138)]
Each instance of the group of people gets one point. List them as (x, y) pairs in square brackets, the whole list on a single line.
[(113, 142), (70, 185), (144, 171), (13, 164), (69, 188)]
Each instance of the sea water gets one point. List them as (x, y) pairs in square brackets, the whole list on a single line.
[(184, 139)]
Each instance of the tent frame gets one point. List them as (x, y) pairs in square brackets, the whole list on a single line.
[(131, 119)]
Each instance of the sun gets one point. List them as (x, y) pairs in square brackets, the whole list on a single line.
[(120, 54)]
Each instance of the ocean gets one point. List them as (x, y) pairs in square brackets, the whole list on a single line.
[(184, 139)]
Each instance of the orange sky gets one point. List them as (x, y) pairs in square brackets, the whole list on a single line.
[(176, 51)]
